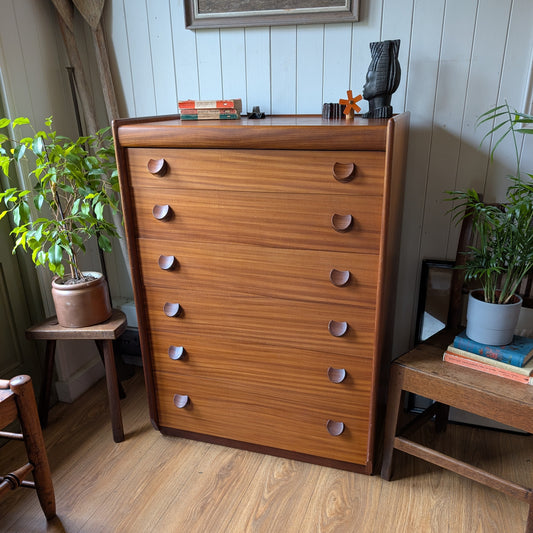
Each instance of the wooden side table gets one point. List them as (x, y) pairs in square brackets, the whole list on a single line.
[(422, 371), (103, 335)]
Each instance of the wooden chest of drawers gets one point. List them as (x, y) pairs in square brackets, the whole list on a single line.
[(263, 255)]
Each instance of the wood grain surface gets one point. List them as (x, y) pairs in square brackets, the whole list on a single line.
[(258, 170), (292, 220), (260, 270), (284, 323)]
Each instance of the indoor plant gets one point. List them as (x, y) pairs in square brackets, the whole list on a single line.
[(74, 180), (503, 253)]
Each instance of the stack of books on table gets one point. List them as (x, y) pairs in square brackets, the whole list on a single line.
[(210, 109), (512, 361)]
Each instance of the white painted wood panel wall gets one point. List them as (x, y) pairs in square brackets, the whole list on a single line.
[(458, 58)]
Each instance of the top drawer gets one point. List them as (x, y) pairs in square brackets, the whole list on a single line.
[(332, 172)]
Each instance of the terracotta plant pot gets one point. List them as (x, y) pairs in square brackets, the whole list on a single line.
[(492, 324), (81, 304)]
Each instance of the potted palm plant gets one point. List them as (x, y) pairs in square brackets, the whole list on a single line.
[(73, 182), (503, 253)]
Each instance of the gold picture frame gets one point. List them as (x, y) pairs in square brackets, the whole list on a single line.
[(244, 13)]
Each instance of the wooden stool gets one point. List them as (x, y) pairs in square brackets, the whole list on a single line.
[(103, 335)]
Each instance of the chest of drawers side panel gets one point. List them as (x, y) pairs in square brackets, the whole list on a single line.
[(394, 183), (129, 214)]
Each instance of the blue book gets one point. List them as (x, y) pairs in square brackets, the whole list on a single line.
[(518, 353)]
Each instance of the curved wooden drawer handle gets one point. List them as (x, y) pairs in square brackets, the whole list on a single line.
[(342, 223), (172, 309), (344, 172), (157, 167), (181, 400), (337, 329), (167, 262), (176, 352), (162, 212), (339, 278), (334, 428), (336, 375)]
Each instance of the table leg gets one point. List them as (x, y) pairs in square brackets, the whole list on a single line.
[(121, 392), (529, 523), (112, 389), (44, 403)]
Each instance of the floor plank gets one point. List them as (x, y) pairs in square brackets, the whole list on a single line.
[(152, 482)]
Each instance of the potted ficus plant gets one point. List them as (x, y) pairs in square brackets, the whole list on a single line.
[(73, 182), (503, 253)]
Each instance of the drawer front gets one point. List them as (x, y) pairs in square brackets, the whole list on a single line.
[(262, 416), (336, 277), (257, 319), (259, 170), (309, 372), (300, 221)]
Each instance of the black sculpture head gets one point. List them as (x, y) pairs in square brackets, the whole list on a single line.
[(382, 78)]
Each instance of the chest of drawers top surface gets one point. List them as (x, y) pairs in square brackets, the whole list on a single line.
[(275, 132)]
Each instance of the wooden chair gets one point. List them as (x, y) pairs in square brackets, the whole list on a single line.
[(17, 400), (423, 372)]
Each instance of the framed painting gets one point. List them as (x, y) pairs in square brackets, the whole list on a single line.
[(241, 13)]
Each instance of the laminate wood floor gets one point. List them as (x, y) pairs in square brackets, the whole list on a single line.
[(151, 482)]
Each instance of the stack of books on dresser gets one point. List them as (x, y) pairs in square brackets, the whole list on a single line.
[(210, 109), (513, 361)]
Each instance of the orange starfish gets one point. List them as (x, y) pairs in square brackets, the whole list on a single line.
[(351, 103)]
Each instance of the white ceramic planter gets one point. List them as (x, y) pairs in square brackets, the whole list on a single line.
[(491, 323)]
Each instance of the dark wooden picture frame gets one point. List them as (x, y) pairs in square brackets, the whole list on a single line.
[(241, 13), (433, 298)]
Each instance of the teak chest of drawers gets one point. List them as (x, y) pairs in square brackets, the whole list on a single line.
[(263, 255)]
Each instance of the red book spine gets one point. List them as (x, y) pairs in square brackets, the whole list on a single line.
[(206, 104), (488, 369), (194, 111)]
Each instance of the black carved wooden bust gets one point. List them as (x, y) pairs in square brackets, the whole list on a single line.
[(382, 78)]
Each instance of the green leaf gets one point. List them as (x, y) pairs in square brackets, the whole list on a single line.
[(21, 120), (4, 122), (16, 215), (19, 151), (38, 201), (99, 211), (55, 254), (4, 163), (77, 239), (24, 212), (104, 243), (38, 233), (38, 145), (21, 241)]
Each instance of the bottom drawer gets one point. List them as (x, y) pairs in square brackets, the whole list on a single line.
[(260, 416)]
